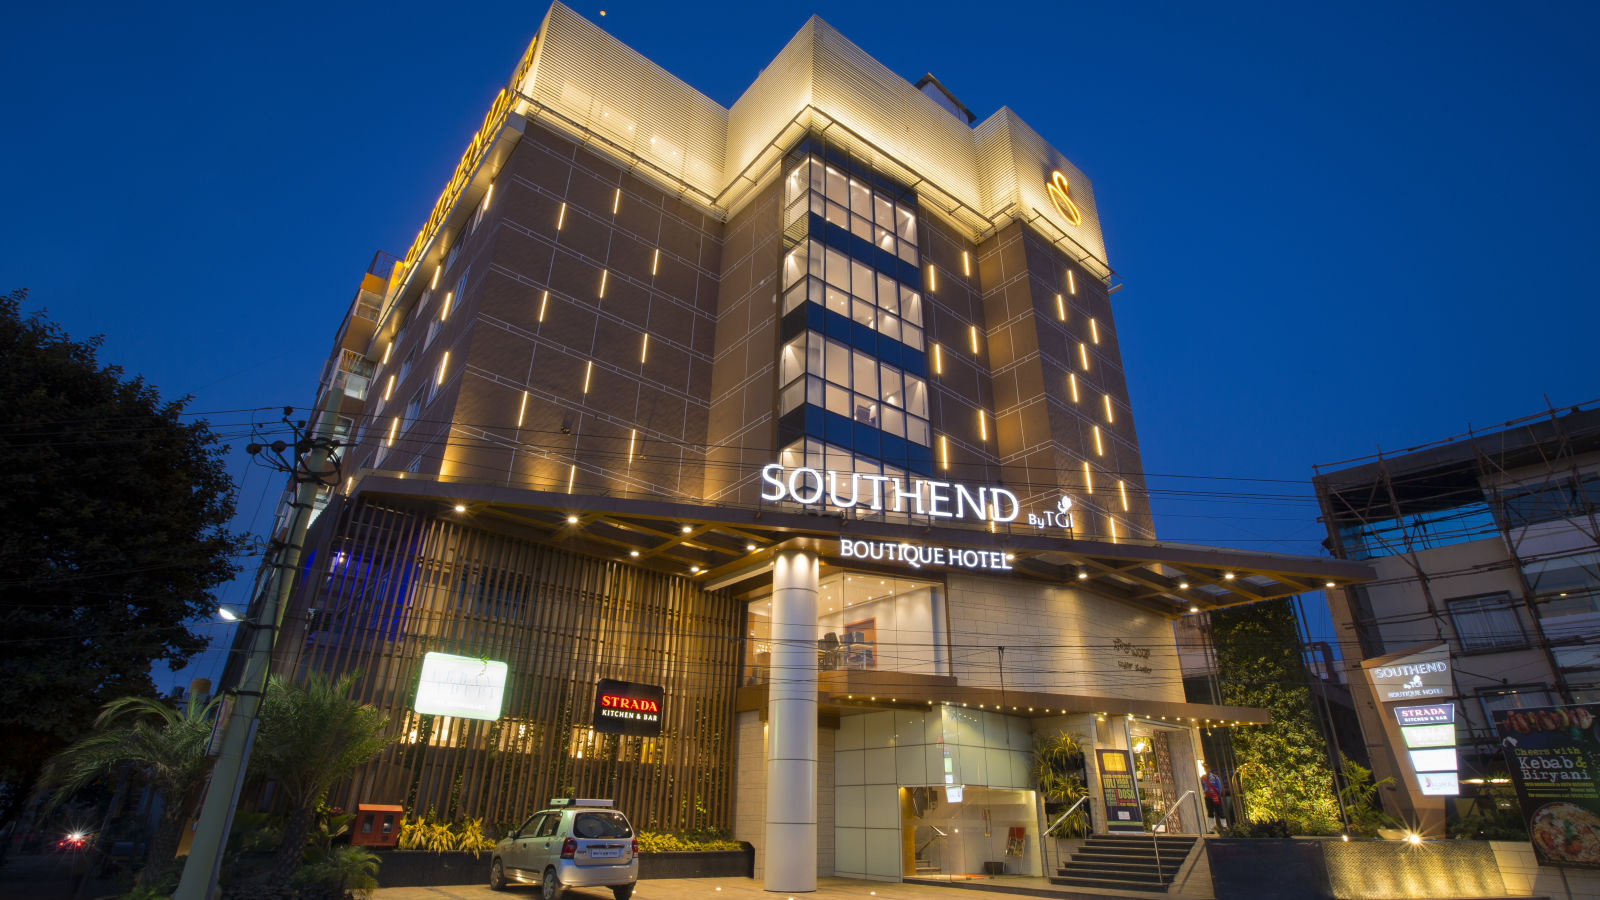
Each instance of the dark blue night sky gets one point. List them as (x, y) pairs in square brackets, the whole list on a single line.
[(1340, 226)]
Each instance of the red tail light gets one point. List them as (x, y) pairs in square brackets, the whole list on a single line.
[(569, 847), (635, 846)]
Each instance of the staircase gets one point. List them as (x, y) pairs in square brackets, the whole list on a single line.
[(1125, 862)]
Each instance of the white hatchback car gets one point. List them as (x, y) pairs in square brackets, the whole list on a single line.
[(582, 843)]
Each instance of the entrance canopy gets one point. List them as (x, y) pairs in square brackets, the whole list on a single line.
[(731, 547)]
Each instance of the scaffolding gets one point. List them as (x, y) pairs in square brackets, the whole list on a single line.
[(1530, 487)]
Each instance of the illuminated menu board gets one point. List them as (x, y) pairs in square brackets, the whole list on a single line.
[(1429, 733)]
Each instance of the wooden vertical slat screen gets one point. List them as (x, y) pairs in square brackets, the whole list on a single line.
[(391, 585)]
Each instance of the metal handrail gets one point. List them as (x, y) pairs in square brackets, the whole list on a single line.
[(1052, 826), (1155, 835)]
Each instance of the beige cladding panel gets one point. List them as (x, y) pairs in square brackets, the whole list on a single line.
[(603, 87), (595, 85)]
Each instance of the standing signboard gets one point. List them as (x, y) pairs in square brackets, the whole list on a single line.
[(465, 687), (1416, 685), (1554, 754), (1120, 791)]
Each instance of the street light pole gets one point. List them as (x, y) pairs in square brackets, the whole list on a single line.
[(311, 471)]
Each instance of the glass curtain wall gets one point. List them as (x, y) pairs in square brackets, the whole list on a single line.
[(852, 368)]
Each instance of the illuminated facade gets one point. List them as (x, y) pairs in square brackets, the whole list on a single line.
[(809, 410)]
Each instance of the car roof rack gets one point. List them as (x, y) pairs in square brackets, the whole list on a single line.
[(580, 801)]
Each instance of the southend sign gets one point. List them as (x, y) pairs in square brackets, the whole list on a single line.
[(887, 493), (622, 707)]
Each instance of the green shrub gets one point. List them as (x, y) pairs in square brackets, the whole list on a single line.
[(344, 868), (657, 842)]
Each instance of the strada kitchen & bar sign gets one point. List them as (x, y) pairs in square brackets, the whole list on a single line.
[(622, 707)]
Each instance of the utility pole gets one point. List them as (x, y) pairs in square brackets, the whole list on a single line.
[(313, 468)]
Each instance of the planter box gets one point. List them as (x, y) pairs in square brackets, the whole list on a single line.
[(699, 864), (1267, 869), (413, 868), (402, 868)]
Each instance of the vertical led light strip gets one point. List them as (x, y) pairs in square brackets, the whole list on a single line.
[(393, 428), (633, 437), (1094, 330), (1113, 523), (1088, 479), (444, 363), (435, 282), (543, 302), (603, 274), (1072, 383), (572, 474), (938, 361), (655, 262), (1072, 284), (972, 332), (644, 348), (387, 349), (521, 410), (983, 427), (1083, 355), (616, 202), (588, 370), (561, 217), (1109, 417), (487, 194), (966, 263), (944, 454), (933, 282), (444, 308), (389, 389), (1099, 449), (1061, 308), (1122, 489)]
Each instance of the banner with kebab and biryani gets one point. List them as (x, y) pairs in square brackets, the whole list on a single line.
[(1554, 755)]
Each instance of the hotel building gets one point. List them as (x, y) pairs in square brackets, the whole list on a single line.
[(1485, 545), (810, 412)]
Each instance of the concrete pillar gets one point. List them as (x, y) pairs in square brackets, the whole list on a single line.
[(791, 857)]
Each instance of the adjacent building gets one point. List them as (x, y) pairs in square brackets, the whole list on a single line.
[(1485, 545), (810, 413)]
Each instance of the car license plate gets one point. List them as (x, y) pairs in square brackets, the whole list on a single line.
[(605, 852)]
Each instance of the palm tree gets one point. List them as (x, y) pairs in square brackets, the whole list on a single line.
[(312, 734), (165, 747)]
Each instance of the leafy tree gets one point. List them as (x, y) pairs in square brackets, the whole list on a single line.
[(113, 533), (1283, 767), (312, 734), (164, 747)]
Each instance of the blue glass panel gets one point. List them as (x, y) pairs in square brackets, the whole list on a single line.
[(920, 459), (894, 450), (838, 327), (914, 361), (838, 431), (815, 417), (863, 338), (816, 316), (889, 350), (866, 439)]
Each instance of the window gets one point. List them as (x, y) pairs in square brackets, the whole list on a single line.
[(1559, 499), (841, 284), (853, 384), (1486, 622), (414, 408), (1524, 696)]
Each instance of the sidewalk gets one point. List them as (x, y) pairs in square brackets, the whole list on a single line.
[(734, 889)]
